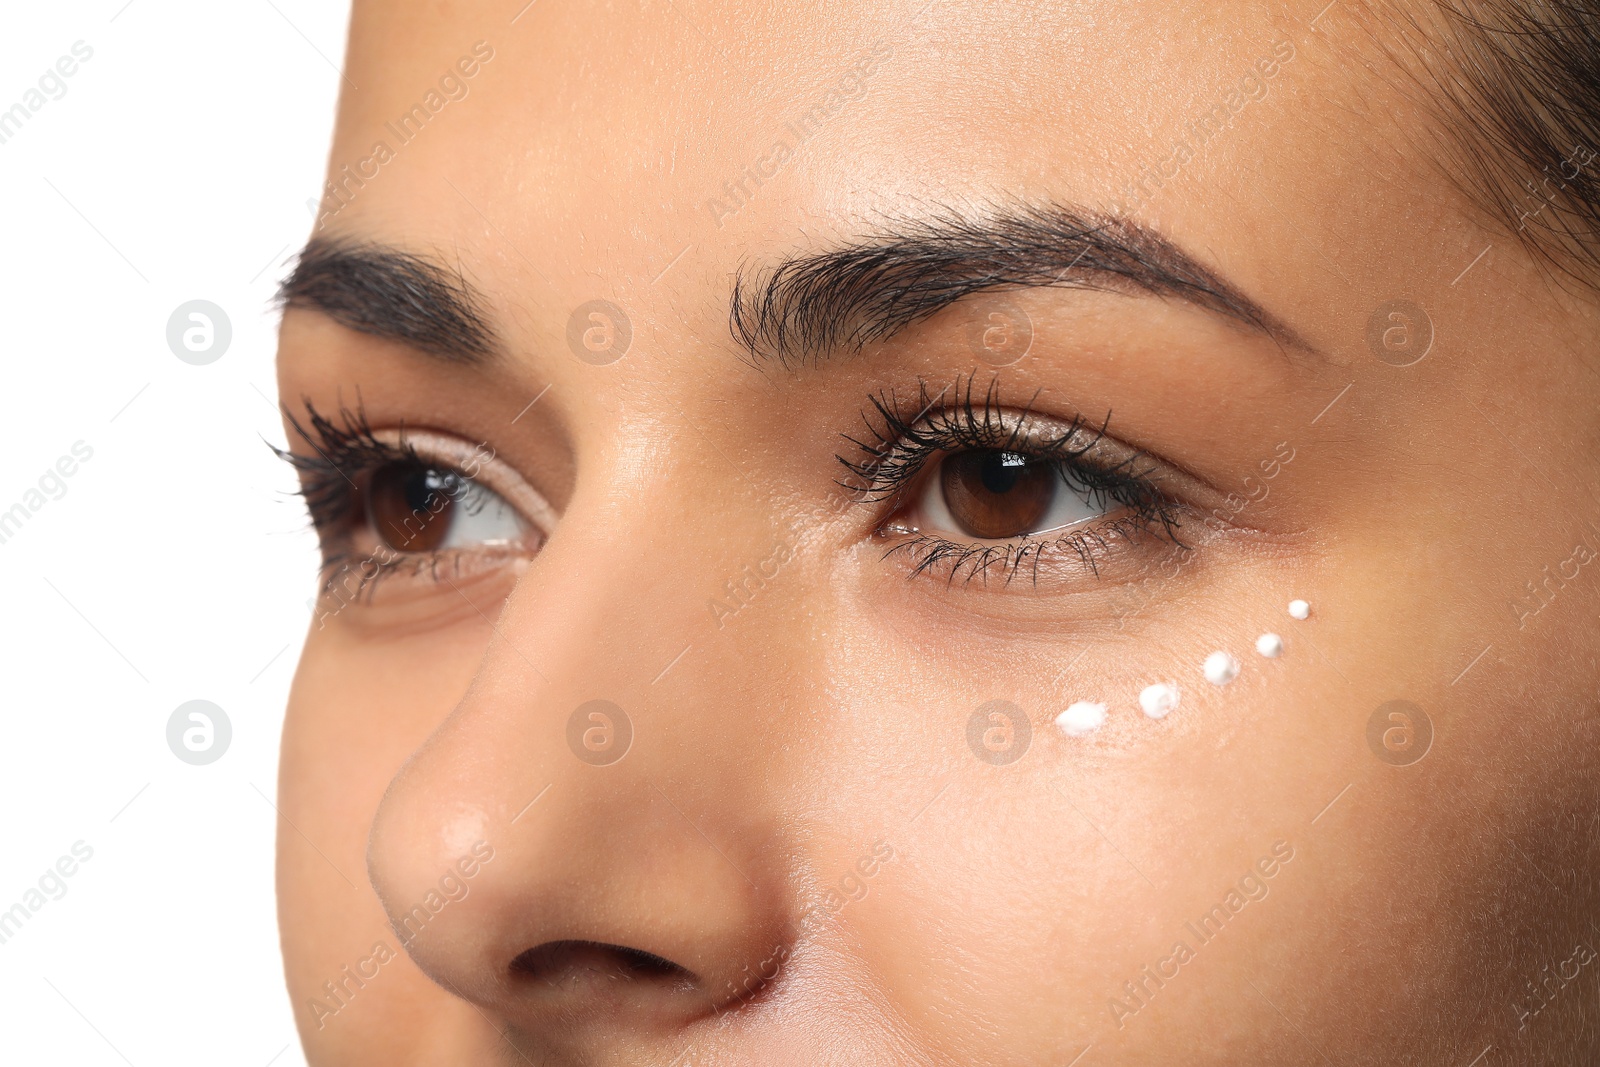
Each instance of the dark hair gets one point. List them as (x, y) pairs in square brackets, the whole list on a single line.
[(1521, 83)]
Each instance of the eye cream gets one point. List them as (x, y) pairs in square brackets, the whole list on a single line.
[(1221, 668), (1270, 645), (1299, 609), (1084, 717), (1157, 700)]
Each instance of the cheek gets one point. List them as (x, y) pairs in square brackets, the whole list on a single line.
[(1023, 892), (1005, 912), (981, 918)]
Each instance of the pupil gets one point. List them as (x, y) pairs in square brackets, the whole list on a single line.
[(1001, 471), (421, 485)]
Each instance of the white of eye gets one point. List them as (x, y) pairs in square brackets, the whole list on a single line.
[(1070, 504), (481, 517)]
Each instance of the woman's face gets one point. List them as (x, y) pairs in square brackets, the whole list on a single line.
[(664, 737)]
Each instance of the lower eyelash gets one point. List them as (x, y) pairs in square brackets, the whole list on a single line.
[(977, 560), (412, 563), (338, 564)]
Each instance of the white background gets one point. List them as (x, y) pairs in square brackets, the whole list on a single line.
[(177, 166)]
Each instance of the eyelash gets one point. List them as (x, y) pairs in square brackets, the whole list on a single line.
[(889, 462), (346, 451)]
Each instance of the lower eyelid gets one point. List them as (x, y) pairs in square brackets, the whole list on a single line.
[(1098, 546), (416, 593)]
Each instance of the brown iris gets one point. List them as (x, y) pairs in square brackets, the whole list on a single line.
[(411, 505), (994, 494)]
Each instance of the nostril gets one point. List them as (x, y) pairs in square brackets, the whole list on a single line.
[(574, 962)]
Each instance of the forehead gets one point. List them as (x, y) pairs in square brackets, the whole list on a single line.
[(593, 147)]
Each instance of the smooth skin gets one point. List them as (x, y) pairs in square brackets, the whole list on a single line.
[(811, 738)]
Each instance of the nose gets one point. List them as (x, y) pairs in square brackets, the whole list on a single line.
[(580, 849)]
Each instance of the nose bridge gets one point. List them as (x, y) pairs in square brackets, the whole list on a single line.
[(591, 779)]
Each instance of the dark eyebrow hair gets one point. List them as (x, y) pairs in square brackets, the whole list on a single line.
[(816, 304), (392, 293)]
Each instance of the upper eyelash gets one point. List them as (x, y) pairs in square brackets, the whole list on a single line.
[(900, 447), (345, 448)]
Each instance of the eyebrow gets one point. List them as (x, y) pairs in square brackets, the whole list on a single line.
[(842, 300), (810, 305), (395, 294)]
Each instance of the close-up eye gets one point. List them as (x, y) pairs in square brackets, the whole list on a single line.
[(994, 494), (980, 489), (406, 501)]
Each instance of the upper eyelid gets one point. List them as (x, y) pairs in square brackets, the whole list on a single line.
[(1095, 448), (904, 447), (962, 414)]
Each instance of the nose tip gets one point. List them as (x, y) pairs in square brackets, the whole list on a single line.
[(606, 908)]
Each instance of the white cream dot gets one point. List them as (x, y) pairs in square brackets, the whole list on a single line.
[(1221, 668), (1081, 718), (1270, 645), (1299, 609), (1158, 699)]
